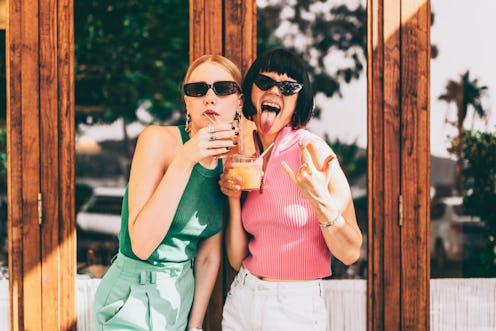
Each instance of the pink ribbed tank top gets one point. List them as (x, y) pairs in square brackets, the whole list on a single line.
[(287, 242)]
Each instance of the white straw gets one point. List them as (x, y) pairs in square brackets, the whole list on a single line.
[(266, 150), (211, 120)]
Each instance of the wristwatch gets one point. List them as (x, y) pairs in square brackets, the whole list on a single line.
[(194, 329), (338, 220)]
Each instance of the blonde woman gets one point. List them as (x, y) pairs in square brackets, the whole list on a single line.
[(170, 239)]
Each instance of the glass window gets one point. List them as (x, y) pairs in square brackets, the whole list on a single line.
[(461, 68), (131, 58)]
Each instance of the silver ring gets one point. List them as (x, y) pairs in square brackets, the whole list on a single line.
[(212, 136), (211, 129)]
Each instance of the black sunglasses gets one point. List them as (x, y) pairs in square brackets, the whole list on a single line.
[(287, 88), (221, 88)]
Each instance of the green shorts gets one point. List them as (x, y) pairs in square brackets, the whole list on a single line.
[(134, 295)]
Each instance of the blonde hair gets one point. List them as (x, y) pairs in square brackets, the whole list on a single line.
[(222, 61)]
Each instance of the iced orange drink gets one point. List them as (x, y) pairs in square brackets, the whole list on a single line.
[(249, 168)]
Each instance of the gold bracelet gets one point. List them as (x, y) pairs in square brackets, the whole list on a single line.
[(336, 221)]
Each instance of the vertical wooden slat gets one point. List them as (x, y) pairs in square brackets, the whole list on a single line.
[(4, 14), (14, 164), (30, 87), (240, 44), (205, 28), (40, 122), (415, 164), (196, 31), (398, 164), (66, 147), (213, 27), (375, 164), (49, 164), (384, 303), (392, 155)]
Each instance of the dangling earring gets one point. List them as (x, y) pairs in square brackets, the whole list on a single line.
[(187, 124), (237, 117)]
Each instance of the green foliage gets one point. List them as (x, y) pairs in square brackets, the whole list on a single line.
[(480, 187), (3, 151), (3, 161), (3, 79), (130, 51), (338, 32), (465, 93)]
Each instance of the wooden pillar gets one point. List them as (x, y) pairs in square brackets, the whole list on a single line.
[(398, 164), (40, 124), (415, 164), (226, 27)]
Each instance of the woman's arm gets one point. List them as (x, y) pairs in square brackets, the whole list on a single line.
[(207, 265), (327, 189), (343, 240), (236, 236), (156, 183), (160, 171)]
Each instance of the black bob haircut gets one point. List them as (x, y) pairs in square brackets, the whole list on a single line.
[(282, 62)]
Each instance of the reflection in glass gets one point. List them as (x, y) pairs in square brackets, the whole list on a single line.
[(130, 61), (463, 166), (462, 136)]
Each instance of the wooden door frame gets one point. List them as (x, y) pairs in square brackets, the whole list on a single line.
[(398, 164), (40, 151), (40, 129)]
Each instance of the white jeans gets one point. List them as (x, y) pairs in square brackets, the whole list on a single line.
[(253, 304)]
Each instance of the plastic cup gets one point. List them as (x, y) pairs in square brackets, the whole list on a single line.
[(249, 168)]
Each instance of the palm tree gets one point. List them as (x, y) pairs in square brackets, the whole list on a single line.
[(464, 93)]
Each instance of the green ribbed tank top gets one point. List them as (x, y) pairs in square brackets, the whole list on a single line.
[(198, 216)]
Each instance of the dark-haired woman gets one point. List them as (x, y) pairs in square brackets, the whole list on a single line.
[(170, 238), (281, 237)]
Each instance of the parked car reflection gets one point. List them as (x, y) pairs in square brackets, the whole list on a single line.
[(455, 236), (98, 224)]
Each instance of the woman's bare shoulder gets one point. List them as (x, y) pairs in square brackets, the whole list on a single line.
[(160, 140), (160, 133)]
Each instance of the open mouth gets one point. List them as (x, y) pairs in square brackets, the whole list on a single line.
[(269, 115), (270, 107)]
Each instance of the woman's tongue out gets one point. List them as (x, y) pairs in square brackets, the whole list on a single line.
[(268, 117)]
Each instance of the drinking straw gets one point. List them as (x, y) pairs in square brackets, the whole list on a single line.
[(266, 150), (211, 120)]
